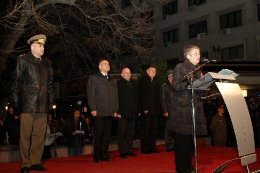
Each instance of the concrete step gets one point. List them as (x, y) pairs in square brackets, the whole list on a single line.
[(10, 153)]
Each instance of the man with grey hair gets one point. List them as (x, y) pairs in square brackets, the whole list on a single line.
[(32, 92), (103, 103), (149, 97)]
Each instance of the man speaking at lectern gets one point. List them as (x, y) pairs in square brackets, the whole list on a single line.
[(181, 122)]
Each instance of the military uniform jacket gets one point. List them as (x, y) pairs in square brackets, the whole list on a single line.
[(166, 97), (128, 99), (102, 95), (181, 116), (218, 128), (32, 84), (149, 95)]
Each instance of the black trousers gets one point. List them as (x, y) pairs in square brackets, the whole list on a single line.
[(149, 132), (126, 131), (102, 129), (46, 152), (184, 152)]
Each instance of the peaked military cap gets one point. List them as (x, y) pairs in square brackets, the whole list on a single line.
[(169, 73), (38, 39)]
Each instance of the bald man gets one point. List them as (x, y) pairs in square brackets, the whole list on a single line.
[(103, 103), (127, 113)]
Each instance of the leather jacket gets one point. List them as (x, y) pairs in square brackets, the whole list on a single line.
[(32, 89)]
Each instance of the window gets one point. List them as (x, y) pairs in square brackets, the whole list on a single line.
[(258, 10), (197, 28), (126, 3), (231, 53), (172, 63), (170, 8), (231, 20), (171, 36), (196, 2)]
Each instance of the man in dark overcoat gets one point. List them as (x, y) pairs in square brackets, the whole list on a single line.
[(166, 95), (127, 113), (103, 103), (181, 120), (149, 97)]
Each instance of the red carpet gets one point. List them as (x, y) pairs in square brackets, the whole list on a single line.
[(209, 158)]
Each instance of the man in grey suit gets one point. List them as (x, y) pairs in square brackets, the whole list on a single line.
[(103, 103)]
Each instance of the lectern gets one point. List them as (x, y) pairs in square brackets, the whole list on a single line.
[(239, 114)]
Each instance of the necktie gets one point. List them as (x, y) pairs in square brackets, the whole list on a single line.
[(106, 76)]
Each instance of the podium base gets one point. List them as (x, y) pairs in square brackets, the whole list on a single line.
[(225, 165)]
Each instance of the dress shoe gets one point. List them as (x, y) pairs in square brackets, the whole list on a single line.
[(146, 152), (97, 160), (38, 167), (131, 154), (155, 151), (123, 155), (108, 159), (25, 170)]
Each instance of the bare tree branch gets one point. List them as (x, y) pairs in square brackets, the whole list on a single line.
[(80, 32)]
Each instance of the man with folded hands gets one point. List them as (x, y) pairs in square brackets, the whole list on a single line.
[(127, 113)]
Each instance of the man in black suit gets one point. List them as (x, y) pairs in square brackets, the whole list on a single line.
[(103, 103), (127, 113), (149, 97)]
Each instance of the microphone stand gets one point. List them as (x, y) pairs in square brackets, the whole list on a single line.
[(80, 133), (190, 77), (55, 138), (197, 68)]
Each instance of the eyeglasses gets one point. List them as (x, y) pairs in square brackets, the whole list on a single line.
[(196, 54)]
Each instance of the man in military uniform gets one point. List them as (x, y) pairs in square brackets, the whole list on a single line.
[(32, 92), (218, 127), (166, 95)]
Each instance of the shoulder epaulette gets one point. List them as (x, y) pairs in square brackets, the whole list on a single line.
[(48, 60), (22, 55)]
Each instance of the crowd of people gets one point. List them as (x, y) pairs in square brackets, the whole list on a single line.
[(110, 99)]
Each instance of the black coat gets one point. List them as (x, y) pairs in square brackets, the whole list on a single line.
[(32, 84), (149, 95), (102, 95), (128, 99), (69, 127)]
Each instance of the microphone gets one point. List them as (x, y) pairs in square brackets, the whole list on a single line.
[(203, 60)]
